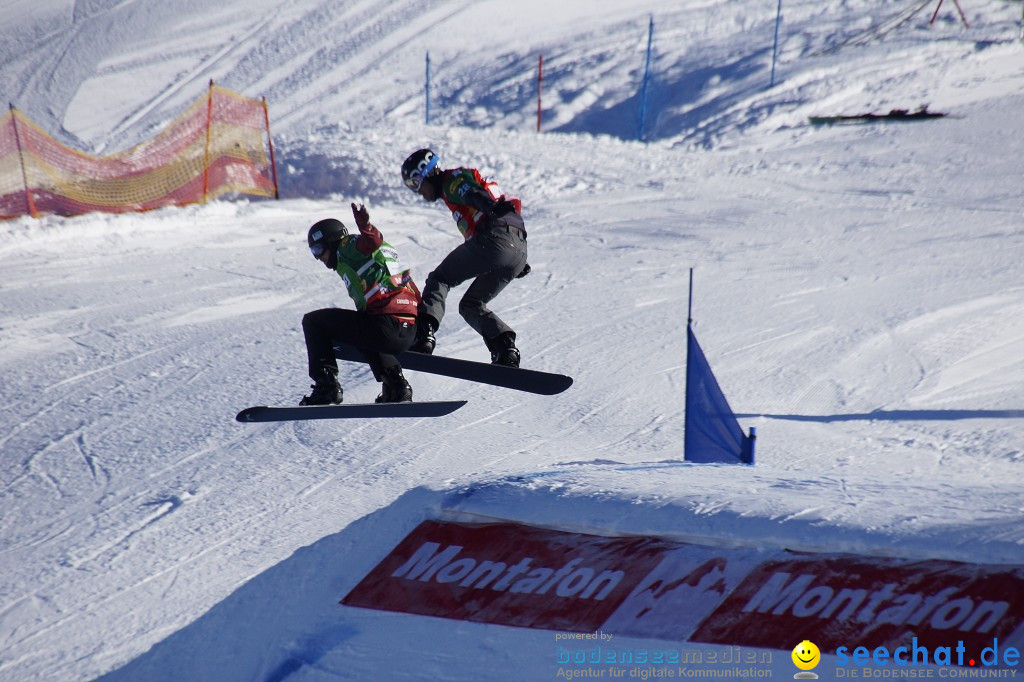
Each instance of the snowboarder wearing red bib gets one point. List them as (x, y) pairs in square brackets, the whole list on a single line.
[(384, 321), (492, 255)]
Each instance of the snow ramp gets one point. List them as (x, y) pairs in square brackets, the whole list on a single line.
[(553, 576)]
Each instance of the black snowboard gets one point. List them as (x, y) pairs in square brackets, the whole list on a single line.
[(517, 378), (263, 413)]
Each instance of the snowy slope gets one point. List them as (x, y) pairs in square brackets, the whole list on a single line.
[(858, 292)]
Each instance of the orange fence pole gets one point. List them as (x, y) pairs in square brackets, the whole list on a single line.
[(270, 142), (21, 159), (209, 124)]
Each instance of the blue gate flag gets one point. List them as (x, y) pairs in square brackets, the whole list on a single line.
[(712, 433)]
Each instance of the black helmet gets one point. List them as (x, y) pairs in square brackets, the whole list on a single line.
[(420, 165), (323, 234)]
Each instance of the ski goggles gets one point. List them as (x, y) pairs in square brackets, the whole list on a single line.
[(415, 179), (318, 250)]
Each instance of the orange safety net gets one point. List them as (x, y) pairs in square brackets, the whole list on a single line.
[(216, 147)]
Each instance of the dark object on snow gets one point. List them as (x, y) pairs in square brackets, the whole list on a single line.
[(894, 115), (280, 413), (516, 378)]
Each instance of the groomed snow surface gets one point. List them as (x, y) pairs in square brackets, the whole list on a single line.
[(859, 295)]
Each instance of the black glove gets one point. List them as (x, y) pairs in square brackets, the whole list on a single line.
[(525, 272), (501, 207), (361, 215)]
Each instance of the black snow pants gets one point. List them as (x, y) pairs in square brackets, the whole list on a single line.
[(377, 336)]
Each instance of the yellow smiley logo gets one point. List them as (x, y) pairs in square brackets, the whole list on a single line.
[(806, 655)]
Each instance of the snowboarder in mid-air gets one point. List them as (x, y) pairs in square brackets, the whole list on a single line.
[(384, 322), (493, 253)]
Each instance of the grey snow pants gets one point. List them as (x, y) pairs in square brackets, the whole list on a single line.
[(494, 256)]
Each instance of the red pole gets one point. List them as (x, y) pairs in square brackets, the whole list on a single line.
[(958, 9), (962, 17), (209, 124), (270, 141), (21, 158), (540, 78)]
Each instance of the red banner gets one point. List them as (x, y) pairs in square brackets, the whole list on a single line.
[(519, 575), (889, 603), (508, 574)]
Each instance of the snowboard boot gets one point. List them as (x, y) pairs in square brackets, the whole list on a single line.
[(326, 390), (394, 388), (503, 350), (425, 342)]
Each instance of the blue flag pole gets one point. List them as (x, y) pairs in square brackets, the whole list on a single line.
[(427, 116), (711, 433), (775, 47), (642, 114), (689, 309)]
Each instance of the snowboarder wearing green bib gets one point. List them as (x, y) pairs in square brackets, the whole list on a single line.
[(384, 322)]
